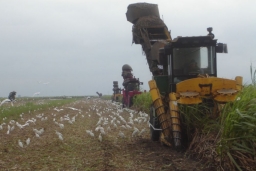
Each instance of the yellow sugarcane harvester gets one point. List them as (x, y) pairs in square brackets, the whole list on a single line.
[(184, 72)]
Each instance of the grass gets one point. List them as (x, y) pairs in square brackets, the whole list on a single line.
[(106, 97), (142, 102), (253, 75), (229, 140), (23, 105), (238, 130)]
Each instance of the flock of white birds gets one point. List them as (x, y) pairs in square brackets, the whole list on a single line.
[(122, 122)]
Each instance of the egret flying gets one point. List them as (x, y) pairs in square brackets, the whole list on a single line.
[(5, 101), (36, 94)]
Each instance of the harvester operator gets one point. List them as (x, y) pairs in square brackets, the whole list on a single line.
[(12, 95), (192, 68)]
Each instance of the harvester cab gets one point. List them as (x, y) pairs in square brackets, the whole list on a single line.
[(190, 57)]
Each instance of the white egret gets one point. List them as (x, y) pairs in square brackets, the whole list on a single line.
[(41, 131), (142, 131), (99, 122), (123, 127), (100, 137), (60, 137), (58, 110), (61, 126), (102, 131), (20, 144), (28, 141), (108, 129), (90, 133), (73, 108), (19, 125), (121, 134), (97, 128), (73, 118), (12, 122), (128, 126), (135, 131), (12, 128)]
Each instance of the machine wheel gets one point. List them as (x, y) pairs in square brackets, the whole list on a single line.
[(154, 134), (123, 103), (130, 102)]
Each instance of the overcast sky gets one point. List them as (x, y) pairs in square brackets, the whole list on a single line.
[(78, 47)]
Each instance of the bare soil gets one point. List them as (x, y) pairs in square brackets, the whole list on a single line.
[(80, 151)]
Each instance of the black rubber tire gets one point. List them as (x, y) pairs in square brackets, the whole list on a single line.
[(123, 103), (130, 101), (154, 134)]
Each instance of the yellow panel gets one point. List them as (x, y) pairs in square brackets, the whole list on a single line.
[(152, 84), (154, 94), (239, 82), (205, 85)]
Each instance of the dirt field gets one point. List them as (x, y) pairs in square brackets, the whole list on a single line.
[(64, 142)]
